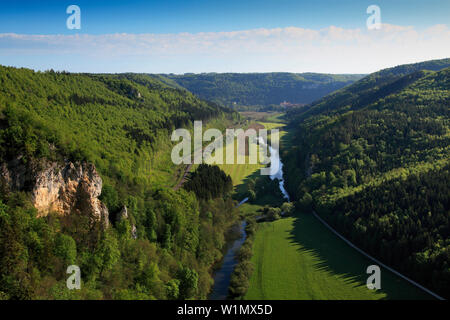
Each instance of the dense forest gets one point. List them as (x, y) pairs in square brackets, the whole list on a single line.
[(160, 243), (240, 90), (209, 182), (373, 160)]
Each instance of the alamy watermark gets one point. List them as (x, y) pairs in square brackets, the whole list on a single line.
[(374, 280), (251, 145), (74, 280), (374, 21), (74, 20)]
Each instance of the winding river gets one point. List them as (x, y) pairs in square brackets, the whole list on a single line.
[(223, 274), (275, 159)]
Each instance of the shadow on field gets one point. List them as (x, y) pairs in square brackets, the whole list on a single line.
[(241, 189), (340, 259)]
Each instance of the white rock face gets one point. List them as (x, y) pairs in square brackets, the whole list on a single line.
[(62, 188)]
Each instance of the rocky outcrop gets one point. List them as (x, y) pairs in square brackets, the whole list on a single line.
[(64, 188), (123, 215)]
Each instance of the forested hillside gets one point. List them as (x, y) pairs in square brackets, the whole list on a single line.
[(160, 243), (262, 89), (373, 160), (371, 88)]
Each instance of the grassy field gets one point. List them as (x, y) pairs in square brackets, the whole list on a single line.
[(241, 172), (275, 117), (263, 116), (299, 258), (272, 125)]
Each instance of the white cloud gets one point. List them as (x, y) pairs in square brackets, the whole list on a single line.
[(332, 49)]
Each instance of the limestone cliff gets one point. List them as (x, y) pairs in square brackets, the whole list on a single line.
[(64, 188)]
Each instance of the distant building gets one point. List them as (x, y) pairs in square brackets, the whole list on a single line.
[(287, 104)]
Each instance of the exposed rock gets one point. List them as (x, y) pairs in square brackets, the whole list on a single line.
[(123, 214), (64, 188), (133, 232)]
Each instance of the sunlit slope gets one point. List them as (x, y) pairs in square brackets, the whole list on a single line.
[(121, 123)]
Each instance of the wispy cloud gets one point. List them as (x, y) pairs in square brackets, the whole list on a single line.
[(332, 49)]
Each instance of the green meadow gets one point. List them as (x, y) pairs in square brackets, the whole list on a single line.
[(299, 258)]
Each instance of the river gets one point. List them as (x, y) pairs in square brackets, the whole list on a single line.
[(275, 159), (223, 274)]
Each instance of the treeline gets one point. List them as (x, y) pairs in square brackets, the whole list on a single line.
[(240, 279), (209, 182), (376, 166), (261, 89), (262, 187)]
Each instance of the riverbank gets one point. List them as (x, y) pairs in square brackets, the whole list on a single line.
[(222, 274)]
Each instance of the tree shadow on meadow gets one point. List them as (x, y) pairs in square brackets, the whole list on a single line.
[(340, 259)]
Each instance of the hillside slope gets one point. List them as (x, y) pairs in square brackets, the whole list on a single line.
[(88, 147), (373, 160), (371, 88)]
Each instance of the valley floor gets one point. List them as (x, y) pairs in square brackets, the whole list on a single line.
[(299, 258)]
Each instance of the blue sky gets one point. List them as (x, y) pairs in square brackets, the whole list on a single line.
[(194, 17), (174, 16)]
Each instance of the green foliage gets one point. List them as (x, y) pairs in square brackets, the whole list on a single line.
[(305, 202), (110, 198), (173, 289), (188, 283), (287, 208), (407, 222), (167, 240), (240, 278), (65, 248), (209, 182), (262, 89), (122, 124), (108, 251), (272, 214), (370, 89), (373, 160), (15, 253)]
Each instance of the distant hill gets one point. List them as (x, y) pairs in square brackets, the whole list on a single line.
[(374, 158), (373, 87), (262, 89)]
